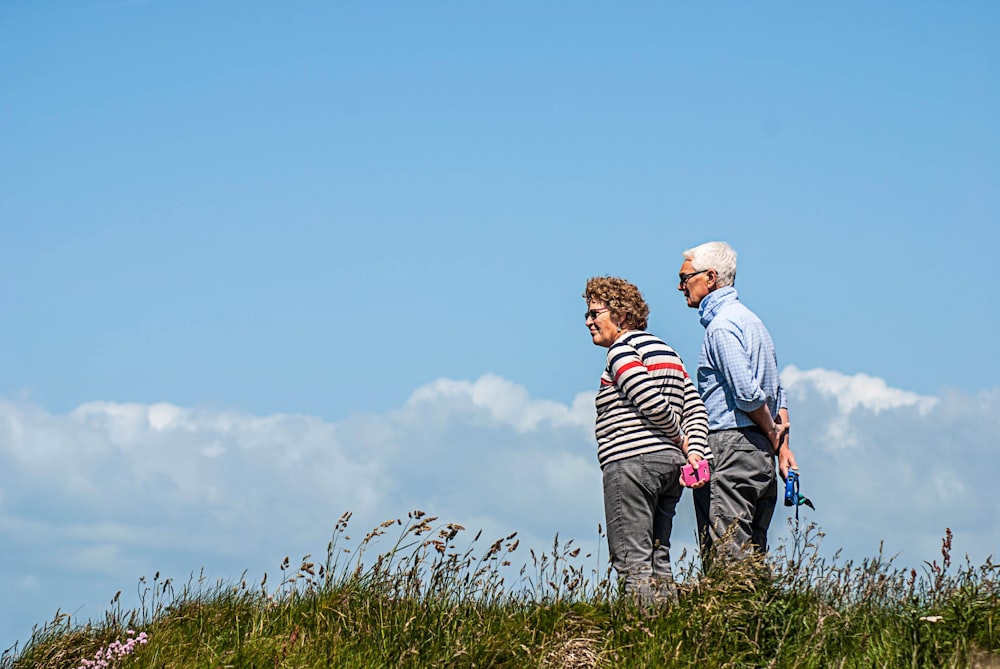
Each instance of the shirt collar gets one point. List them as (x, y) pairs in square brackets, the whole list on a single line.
[(714, 301)]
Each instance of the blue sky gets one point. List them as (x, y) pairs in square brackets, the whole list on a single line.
[(328, 255)]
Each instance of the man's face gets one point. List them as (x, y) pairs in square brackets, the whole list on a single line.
[(695, 284)]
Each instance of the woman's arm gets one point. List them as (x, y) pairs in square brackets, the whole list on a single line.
[(694, 422), (633, 379)]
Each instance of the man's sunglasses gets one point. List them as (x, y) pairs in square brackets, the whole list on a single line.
[(686, 277)]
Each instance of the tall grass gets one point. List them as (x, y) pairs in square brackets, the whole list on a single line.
[(433, 598)]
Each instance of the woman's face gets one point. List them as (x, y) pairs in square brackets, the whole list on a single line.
[(603, 330)]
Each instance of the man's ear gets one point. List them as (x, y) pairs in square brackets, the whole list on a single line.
[(712, 278)]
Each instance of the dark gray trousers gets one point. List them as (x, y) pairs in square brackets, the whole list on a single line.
[(734, 510), (640, 500)]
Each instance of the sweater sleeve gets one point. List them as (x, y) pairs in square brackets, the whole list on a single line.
[(694, 420), (635, 382)]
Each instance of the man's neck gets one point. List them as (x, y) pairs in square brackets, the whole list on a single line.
[(711, 303)]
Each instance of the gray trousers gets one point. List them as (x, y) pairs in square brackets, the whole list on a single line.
[(640, 499), (734, 510)]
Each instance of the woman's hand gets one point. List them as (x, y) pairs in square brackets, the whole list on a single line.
[(693, 460)]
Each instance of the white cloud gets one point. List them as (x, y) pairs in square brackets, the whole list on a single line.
[(93, 499), (855, 394), (884, 463), (505, 403), (857, 391), (118, 490)]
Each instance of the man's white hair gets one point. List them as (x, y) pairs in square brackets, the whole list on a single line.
[(719, 256)]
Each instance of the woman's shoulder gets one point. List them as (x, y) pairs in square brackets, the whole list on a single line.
[(640, 339)]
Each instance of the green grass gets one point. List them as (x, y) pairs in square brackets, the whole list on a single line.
[(431, 600)]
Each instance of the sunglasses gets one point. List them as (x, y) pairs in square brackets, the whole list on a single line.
[(686, 277), (593, 313)]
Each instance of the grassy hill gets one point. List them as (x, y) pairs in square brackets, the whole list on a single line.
[(435, 599)]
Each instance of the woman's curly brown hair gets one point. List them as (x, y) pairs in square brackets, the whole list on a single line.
[(621, 297)]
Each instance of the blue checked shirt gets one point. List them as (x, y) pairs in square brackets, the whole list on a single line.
[(737, 367)]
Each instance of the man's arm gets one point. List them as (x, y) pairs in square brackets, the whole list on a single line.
[(732, 358), (776, 432), (786, 459)]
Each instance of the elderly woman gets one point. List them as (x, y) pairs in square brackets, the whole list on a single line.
[(650, 420)]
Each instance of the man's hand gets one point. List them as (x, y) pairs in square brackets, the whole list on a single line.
[(783, 425), (775, 430), (779, 438), (786, 461)]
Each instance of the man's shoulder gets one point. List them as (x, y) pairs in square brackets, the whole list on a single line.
[(736, 312), (735, 320), (729, 314)]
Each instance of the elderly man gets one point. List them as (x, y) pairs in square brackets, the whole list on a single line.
[(747, 414)]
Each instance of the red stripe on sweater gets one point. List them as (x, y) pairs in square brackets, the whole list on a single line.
[(626, 367), (668, 365)]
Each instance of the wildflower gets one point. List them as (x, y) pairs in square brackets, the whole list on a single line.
[(109, 655), (932, 619)]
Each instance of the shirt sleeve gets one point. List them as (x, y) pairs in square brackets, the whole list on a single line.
[(635, 382), (732, 358), (694, 419)]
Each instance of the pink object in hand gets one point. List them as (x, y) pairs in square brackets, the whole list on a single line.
[(691, 476)]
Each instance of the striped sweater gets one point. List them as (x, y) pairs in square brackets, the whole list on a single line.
[(647, 401)]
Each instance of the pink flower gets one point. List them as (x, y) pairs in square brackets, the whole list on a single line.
[(114, 651)]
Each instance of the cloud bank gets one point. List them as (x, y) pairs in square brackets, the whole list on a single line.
[(93, 499)]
